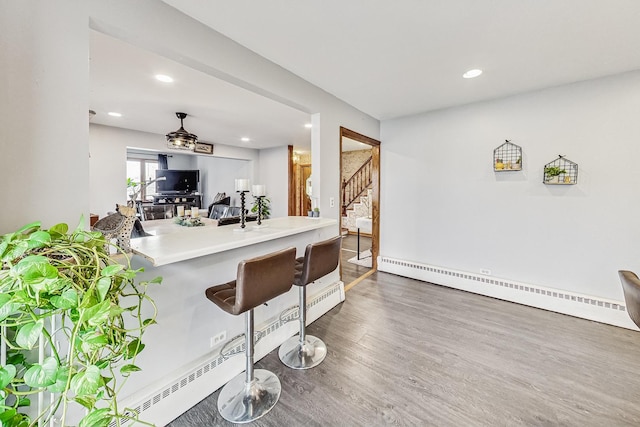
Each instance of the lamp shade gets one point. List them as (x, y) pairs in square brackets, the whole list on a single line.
[(181, 139)]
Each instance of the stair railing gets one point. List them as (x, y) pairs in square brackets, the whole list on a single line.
[(353, 187)]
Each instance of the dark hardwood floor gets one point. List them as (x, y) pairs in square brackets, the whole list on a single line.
[(407, 353), (351, 272)]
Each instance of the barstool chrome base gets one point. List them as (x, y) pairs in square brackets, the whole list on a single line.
[(241, 403), (306, 356)]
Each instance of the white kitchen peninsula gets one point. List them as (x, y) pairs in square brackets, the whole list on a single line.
[(181, 364)]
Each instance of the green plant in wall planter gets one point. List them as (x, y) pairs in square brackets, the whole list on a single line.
[(551, 173), (64, 294)]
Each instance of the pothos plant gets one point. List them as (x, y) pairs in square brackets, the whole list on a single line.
[(72, 318)]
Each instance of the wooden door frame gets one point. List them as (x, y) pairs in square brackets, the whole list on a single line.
[(291, 208), (375, 190)]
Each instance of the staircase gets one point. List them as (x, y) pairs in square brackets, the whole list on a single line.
[(357, 185), (358, 209)]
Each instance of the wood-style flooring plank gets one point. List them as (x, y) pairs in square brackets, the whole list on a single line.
[(407, 353)]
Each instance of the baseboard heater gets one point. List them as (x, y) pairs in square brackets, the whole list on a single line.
[(571, 303)]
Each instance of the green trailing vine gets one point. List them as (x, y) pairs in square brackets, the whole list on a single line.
[(64, 293)]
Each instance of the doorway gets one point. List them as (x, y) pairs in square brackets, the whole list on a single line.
[(360, 205), (300, 171)]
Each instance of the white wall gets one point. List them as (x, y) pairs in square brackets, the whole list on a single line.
[(44, 94), (274, 173), (218, 176), (108, 174), (210, 52), (465, 216)]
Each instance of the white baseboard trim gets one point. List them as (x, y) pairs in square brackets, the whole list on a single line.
[(574, 304), (197, 381)]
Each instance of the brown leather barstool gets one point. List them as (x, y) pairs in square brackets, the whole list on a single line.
[(248, 397), (631, 290), (320, 259)]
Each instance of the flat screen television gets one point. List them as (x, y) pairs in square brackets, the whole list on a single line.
[(177, 181)]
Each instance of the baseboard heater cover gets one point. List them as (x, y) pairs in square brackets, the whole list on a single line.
[(579, 305), (269, 328)]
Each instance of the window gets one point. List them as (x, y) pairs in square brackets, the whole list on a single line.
[(142, 170)]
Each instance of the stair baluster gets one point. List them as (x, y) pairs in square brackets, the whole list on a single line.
[(356, 185)]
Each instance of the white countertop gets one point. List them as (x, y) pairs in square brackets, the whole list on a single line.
[(173, 243)]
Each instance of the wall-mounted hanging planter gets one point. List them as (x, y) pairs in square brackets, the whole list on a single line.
[(507, 157), (561, 171)]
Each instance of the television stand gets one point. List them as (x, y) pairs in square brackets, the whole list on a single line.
[(187, 200)]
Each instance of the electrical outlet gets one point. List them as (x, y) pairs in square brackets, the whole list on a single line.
[(332, 202), (485, 271), (216, 340)]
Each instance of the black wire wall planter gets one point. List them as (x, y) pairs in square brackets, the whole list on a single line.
[(507, 157), (561, 171)]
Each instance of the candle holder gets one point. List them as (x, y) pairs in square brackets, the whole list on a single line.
[(260, 206), (242, 212), (259, 192), (259, 210)]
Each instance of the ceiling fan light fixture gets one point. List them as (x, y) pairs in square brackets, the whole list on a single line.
[(181, 139)]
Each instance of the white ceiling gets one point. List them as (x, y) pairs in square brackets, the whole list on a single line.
[(122, 80), (401, 57), (386, 58)]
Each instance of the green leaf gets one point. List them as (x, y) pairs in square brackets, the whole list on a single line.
[(42, 375), (68, 299), (35, 267), (16, 359), (7, 306), (97, 314), (97, 418), (148, 322), (133, 348), (14, 419), (6, 416), (61, 228), (60, 383), (103, 286), (111, 270), (29, 228), (15, 250), (39, 239), (7, 374), (25, 401), (115, 311), (102, 363), (86, 382), (88, 402), (28, 334), (126, 369), (156, 280), (92, 340)]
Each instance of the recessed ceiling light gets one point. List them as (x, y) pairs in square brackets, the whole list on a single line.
[(114, 114), (472, 73), (308, 125), (164, 78), (245, 139)]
